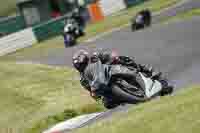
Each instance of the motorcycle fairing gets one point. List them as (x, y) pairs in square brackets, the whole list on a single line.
[(151, 87)]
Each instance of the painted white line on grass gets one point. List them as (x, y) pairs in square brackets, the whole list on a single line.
[(72, 123), (37, 64), (178, 20), (106, 33), (173, 6)]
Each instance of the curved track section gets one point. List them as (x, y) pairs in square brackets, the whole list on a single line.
[(63, 57), (185, 6), (173, 48)]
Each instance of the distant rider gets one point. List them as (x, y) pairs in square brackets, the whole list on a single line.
[(144, 17), (76, 15)]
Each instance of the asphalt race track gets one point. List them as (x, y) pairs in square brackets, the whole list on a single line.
[(172, 48), (125, 37), (185, 6)]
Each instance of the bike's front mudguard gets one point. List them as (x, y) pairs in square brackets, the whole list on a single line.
[(66, 40), (69, 40)]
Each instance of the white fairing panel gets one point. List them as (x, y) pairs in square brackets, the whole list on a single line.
[(66, 29), (151, 87), (18, 40)]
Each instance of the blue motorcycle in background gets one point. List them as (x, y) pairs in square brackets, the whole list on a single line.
[(72, 31)]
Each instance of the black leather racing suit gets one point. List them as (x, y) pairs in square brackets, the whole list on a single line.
[(106, 58), (96, 77), (80, 20)]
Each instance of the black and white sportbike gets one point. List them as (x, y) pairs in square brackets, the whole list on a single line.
[(71, 32), (144, 88)]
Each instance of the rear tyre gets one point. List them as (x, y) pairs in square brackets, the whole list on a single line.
[(167, 89)]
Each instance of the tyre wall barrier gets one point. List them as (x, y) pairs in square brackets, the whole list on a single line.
[(12, 24), (111, 6), (18, 40)]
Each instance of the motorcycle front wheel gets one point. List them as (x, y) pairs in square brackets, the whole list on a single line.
[(135, 27), (109, 104), (126, 96), (69, 40)]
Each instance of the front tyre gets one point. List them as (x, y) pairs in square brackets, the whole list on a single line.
[(127, 96), (136, 26), (133, 27), (69, 40), (109, 104)]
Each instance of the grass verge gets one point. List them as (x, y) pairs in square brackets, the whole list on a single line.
[(183, 16), (174, 114), (44, 48), (8, 7), (33, 97)]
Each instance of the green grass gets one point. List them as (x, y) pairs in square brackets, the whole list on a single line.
[(33, 97), (44, 48), (7, 7), (183, 16), (63, 116), (177, 114), (125, 16)]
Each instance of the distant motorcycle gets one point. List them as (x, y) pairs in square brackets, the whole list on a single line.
[(141, 20), (71, 32)]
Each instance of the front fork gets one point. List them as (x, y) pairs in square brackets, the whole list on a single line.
[(102, 95)]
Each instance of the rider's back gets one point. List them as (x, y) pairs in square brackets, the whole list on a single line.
[(97, 74)]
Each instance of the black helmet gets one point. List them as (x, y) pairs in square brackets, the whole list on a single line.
[(75, 13), (80, 60), (94, 57), (108, 56), (104, 55)]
